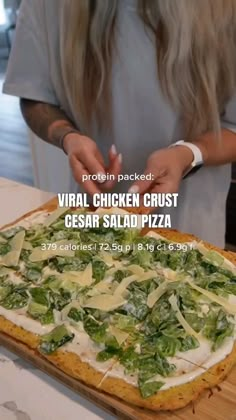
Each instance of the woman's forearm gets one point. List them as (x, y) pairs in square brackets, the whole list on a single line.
[(47, 121), (218, 152)]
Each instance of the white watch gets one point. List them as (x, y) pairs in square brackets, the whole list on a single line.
[(197, 162)]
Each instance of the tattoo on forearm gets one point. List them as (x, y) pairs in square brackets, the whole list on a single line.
[(47, 121)]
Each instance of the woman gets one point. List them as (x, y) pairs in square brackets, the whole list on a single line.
[(116, 82)]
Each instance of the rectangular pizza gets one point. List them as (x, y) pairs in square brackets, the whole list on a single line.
[(146, 316)]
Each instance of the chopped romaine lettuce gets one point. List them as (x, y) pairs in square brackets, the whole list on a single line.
[(4, 248), (217, 328), (121, 274), (18, 298), (40, 296), (10, 233), (143, 258), (5, 289), (35, 310), (137, 304), (55, 339), (124, 322), (161, 344), (189, 343), (147, 389), (33, 274), (96, 330), (76, 314), (99, 269)]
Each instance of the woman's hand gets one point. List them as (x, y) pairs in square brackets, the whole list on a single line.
[(86, 159), (167, 167)]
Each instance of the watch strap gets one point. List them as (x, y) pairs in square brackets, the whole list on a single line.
[(197, 162)]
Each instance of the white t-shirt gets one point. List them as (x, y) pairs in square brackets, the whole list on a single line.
[(143, 119)]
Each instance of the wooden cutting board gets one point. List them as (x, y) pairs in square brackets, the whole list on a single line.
[(216, 404)]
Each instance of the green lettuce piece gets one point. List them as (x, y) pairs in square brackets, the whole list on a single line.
[(143, 258), (84, 256), (40, 296), (5, 289), (214, 257), (35, 310), (149, 366), (59, 224), (76, 314), (217, 328), (147, 389), (107, 354), (161, 318), (176, 260), (193, 257), (38, 235), (99, 270), (195, 321), (163, 345), (121, 274), (10, 233), (33, 275), (124, 322), (129, 359), (63, 264), (60, 300), (53, 283), (95, 329), (55, 339), (17, 299), (189, 343), (187, 297), (47, 318), (137, 304), (4, 248)]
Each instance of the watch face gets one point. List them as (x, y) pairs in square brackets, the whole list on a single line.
[(193, 170)]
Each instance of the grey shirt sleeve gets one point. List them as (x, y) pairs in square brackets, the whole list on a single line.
[(28, 73), (228, 120)]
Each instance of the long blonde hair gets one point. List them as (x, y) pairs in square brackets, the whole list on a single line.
[(196, 56)]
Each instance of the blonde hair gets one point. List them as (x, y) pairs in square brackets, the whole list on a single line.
[(196, 56)]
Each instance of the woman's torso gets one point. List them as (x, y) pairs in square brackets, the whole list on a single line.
[(144, 121)]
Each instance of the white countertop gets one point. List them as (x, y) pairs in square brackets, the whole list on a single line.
[(25, 392)]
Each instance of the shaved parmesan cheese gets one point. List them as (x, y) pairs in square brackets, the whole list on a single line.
[(105, 302), (55, 215), (83, 278), (216, 258), (189, 330), (27, 246), (62, 249), (124, 284), (229, 307), (154, 296), (103, 286), (148, 275), (107, 258), (5, 271), (136, 269), (13, 256), (120, 336)]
